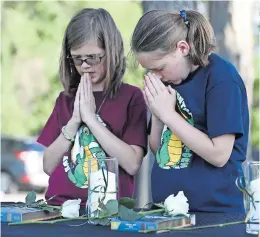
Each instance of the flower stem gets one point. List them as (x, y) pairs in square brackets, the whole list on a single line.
[(48, 222), (151, 212), (195, 228)]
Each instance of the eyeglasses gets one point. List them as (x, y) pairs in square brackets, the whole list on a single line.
[(91, 60)]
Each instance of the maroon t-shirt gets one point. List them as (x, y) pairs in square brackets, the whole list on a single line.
[(124, 116)]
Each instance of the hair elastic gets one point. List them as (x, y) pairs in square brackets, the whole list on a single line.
[(183, 14)]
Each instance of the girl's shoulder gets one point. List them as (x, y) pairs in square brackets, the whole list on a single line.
[(128, 90), (64, 100), (221, 70), (220, 64), (130, 94)]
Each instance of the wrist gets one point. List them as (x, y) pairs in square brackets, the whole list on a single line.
[(91, 121), (91, 118), (73, 123), (72, 128), (155, 119), (168, 117)]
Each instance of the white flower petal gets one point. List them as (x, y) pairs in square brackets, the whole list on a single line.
[(255, 185), (70, 208), (177, 205)]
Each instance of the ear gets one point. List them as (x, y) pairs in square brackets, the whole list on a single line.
[(183, 47)]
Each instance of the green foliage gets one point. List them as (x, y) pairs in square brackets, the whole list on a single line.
[(255, 116), (30, 197), (30, 201), (127, 202), (32, 33), (112, 207), (128, 214), (122, 208), (31, 39)]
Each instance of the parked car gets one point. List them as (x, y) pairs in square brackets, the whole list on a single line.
[(21, 165)]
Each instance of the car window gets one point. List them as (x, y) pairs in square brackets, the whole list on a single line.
[(34, 147), (3, 146), (10, 145)]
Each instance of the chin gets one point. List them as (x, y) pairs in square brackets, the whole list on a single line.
[(95, 80), (176, 82)]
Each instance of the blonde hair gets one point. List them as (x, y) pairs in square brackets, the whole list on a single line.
[(162, 30)]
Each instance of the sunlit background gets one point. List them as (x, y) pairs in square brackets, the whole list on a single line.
[(32, 33)]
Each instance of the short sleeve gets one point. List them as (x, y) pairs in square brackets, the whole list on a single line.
[(224, 110), (136, 129), (51, 130)]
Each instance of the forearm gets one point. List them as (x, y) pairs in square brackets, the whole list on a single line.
[(129, 159), (196, 140), (155, 135), (54, 153)]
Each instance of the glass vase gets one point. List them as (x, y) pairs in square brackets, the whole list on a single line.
[(252, 205), (102, 185)]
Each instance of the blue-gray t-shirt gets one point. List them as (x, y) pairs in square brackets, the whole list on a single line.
[(214, 100)]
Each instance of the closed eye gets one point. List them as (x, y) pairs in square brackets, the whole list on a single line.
[(157, 70)]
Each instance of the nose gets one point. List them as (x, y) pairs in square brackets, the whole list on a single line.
[(156, 73), (85, 65)]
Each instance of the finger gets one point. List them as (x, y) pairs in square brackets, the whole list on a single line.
[(171, 91), (149, 96), (144, 95), (77, 98), (90, 95), (150, 86), (145, 99), (85, 86), (155, 81), (160, 84), (90, 92), (144, 84), (82, 97)]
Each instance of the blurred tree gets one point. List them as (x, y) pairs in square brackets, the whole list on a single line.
[(168, 5), (31, 39), (255, 116), (31, 35), (233, 33)]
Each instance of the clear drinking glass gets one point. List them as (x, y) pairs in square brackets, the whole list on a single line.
[(102, 183), (252, 206)]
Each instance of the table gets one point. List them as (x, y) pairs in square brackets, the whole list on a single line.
[(65, 229)]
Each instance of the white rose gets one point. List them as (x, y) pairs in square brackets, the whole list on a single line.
[(70, 208), (177, 205)]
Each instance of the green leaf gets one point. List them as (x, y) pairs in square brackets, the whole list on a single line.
[(158, 205), (40, 202), (127, 202), (30, 197), (101, 205), (103, 213), (128, 214), (112, 207), (103, 221), (48, 209)]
